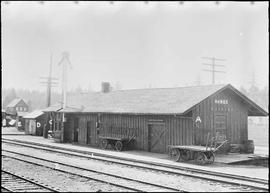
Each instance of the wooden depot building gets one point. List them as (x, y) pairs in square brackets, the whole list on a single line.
[(157, 117)]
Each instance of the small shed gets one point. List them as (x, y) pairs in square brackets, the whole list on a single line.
[(34, 123), (20, 122), (51, 119), (10, 118)]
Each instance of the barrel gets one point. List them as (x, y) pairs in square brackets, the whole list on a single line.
[(249, 144)]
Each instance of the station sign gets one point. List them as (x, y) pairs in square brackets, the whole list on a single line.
[(198, 119), (221, 101)]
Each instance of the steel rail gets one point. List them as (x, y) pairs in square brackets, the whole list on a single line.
[(39, 186), (90, 170), (5, 188), (95, 155), (179, 168)]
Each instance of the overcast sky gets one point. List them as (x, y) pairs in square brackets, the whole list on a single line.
[(133, 43)]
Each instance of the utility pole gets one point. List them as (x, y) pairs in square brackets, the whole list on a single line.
[(49, 82), (64, 62), (213, 66)]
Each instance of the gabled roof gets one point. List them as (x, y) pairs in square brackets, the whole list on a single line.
[(14, 102), (178, 100), (143, 101), (33, 114), (70, 109), (253, 108), (53, 108)]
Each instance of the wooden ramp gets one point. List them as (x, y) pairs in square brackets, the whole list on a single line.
[(243, 159)]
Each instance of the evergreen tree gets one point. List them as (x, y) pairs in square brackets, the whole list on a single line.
[(78, 90), (243, 90), (117, 86), (89, 89), (9, 97), (29, 104)]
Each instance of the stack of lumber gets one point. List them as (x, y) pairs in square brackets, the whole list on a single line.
[(236, 148)]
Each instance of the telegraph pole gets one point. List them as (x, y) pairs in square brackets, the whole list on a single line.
[(213, 66), (64, 62), (49, 82)]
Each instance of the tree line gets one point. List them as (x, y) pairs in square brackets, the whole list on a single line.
[(38, 99), (259, 96), (35, 99)]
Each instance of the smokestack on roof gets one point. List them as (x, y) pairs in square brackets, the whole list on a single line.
[(105, 87)]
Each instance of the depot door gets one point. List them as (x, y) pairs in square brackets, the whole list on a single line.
[(221, 126), (75, 129), (156, 138), (88, 132)]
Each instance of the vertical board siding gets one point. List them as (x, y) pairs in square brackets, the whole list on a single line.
[(236, 118), (178, 130)]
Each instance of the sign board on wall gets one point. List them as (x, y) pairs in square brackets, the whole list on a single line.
[(221, 101), (198, 121)]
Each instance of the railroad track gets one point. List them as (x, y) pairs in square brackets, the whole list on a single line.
[(256, 183), (11, 182), (107, 178)]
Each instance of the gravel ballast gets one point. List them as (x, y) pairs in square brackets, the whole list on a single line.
[(57, 180), (180, 182)]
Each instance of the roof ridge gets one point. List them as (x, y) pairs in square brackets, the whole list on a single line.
[(150, 89), (172, 87), (15, 101)]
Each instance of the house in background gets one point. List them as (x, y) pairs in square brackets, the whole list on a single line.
[(16, 109)]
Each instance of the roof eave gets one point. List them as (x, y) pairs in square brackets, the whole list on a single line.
[(219, 90), (127, 113), (261, 112)]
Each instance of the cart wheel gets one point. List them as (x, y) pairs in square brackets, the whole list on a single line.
[(104, 143), (175, 154), (118, 146), (211, 157), (201, 158), (185, 155)]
